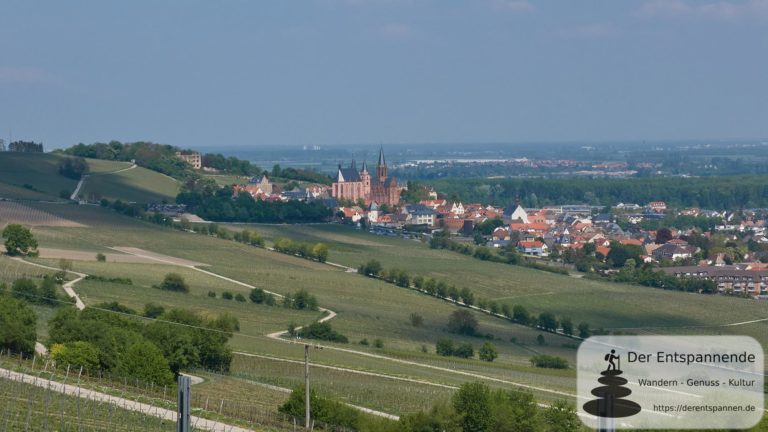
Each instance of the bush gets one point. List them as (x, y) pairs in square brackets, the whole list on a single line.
[(462, 322), (378, 343), (212, 294), (321, 331), (76, 354), (301, 300), (464, 350), (444, 347), (153, 310), (144, 361), (547, 321), (488, 352), (239, 297), (324, 410), (540, 340), (100, 257), (226, 295), (372, 268), (25, 289), (416, 319), (174, 282), (548, 361), (115, 307), (364, 342)]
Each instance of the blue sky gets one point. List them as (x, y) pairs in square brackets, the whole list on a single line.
[(207, 73)]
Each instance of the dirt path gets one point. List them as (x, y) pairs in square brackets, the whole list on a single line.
[(68, 287), (80, 184), (127, 404)]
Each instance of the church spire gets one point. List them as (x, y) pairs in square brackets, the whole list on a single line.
[(365, 167), (382, 162)]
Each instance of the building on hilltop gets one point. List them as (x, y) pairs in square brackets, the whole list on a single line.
[(351, 184), (192, 158)]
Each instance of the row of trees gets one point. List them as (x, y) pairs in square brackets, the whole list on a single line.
[(462, 320), (315, 251), (25, 147), (731, 192), (219, 206)]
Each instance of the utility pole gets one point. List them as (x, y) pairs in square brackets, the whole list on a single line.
[(306, 387), (182, 422)]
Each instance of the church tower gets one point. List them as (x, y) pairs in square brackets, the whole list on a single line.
[(381, 167), (366, 179)]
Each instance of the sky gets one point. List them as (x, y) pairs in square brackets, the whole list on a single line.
[(344, 72)]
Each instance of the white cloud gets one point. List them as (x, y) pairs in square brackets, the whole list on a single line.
[(27, 75), (719, 10), (515, 6)]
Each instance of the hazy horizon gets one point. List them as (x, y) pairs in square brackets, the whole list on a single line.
[(368, 72)]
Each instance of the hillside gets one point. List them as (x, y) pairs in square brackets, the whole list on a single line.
[(35, 176)]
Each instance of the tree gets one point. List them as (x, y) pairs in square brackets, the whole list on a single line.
[(547, 321), (100, 257), (144, 361), (47, 292), (444, 347), (19, 240), (25, 289), (663, 235), (473, 403), (584, 330), (153, 310), (567, 326), (520, 314), (488, 352), (17, 326), (320, 251), (372, 268), (462, 322), (174, 282), (464, 350)]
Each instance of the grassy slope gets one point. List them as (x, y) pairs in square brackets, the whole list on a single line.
[(40, 170), (133, 185), (372, 309), (599, 303), (367, 308)]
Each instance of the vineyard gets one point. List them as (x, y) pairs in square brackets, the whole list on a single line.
[(13, 212)]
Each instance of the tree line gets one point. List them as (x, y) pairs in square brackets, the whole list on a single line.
[(732, 192), (25, 147), (219, 206), (314, 251)]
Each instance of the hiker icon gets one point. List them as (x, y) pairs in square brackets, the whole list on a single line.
[(611, 402), (610, 357)]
